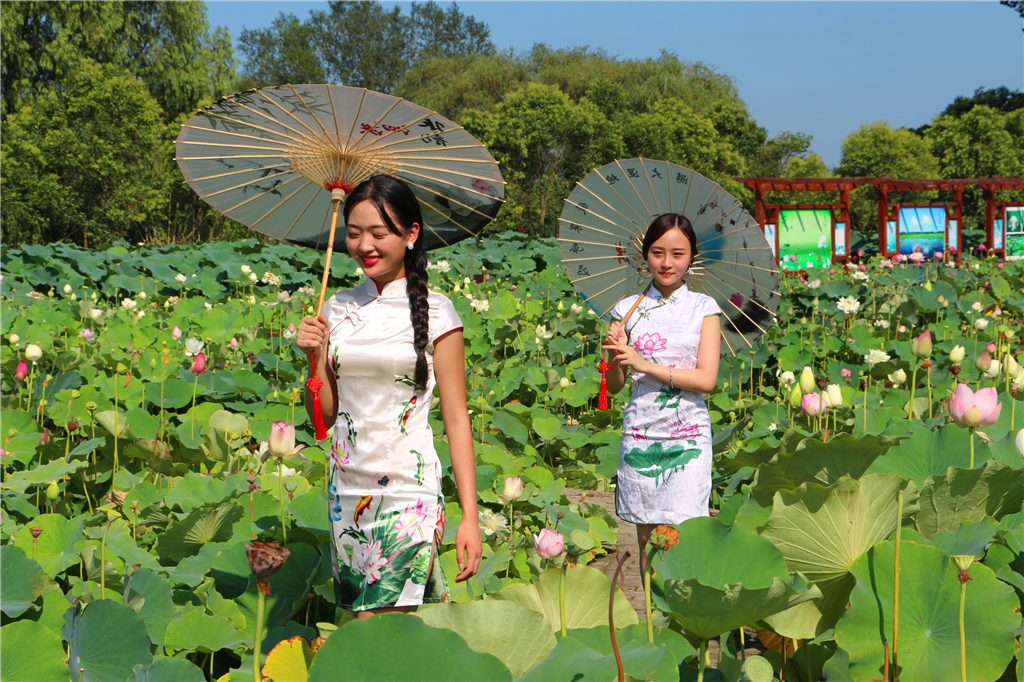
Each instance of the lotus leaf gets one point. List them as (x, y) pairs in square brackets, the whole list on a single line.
[(141, 424), (572, 660), (151, 595), (969, 495), (55, 547), (32, 653), (586, 598), (51, 471), (107, 640), (21, 581), (120, 543), (511, 426), (184, 538), (196, 631), (484, 581), (289, 660), (972, 537), (20, 434), (194, 490), (598, 639), (289, 588), (821, 531), (926, 453), (519, 637), (310, 511), (929, 642), (420, 654), (168, 670)]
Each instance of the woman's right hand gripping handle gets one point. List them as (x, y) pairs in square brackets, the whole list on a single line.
[(312, 335)]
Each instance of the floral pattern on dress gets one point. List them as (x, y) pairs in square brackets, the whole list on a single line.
[(648, 344)]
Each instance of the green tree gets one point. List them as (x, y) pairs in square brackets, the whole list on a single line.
[(166, 44), (545, 143), (86, 163), (876, 150), (281, 53)]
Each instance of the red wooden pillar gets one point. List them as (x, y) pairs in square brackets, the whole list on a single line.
[(990, 237), (759, 207), (960, 225), (883, 219), (844, 197)]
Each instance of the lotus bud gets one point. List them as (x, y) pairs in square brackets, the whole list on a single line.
[(44, 437), (234, 342), (994, 369), (983, 362), (833, 396), (787, 378), (898, 378), (794, 396), (549, 544), (513, 490), (956, 355), (1018, 442), (922, 345), (199, 364), (282, 439), (52, 491), (33, 352), (981, 324), (14, 339), (812, 404), (176, 334), (1010, 366), (807, 380), (152, 363), (564, 382), (22, 371)]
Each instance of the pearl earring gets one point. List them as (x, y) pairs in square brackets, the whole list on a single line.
[(409, 245)]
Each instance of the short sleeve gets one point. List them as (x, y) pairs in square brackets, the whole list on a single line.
[(622, 307), (443, 318), (710, 307)]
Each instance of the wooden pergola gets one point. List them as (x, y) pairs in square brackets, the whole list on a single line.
[(888, 211), (997, 209)]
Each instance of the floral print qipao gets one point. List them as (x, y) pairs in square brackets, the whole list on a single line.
[(664, 471), (384, 498)]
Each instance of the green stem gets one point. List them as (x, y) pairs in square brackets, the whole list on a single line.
[(700, 663), (972, 446), (896, 584), (561, 596), (930, 415), (913, 387), (195, 387), (963, 635), (103, 563), (280, 482), (647, 597), (261, 603)]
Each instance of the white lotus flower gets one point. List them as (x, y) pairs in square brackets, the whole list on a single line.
[(976, 307), (876, 356), (981, 323), (67, 288), (542, 332), (246, 270), (480, 304), (181, 278), (193, 346), (576, 308), (848, 305), (95, 313)]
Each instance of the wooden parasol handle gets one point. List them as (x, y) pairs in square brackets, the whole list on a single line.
[(314, 383)]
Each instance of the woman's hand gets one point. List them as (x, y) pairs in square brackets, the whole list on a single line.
[(312, 334), (468, 549), (616, 334), (625, 355)]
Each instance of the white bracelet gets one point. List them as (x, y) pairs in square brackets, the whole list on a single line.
[(670, 382)]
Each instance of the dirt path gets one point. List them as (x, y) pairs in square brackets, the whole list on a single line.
[(634, 590)]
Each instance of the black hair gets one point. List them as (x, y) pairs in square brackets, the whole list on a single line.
[(664, 223), (396, 202)]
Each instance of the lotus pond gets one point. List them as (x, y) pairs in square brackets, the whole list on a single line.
[(134, 477)]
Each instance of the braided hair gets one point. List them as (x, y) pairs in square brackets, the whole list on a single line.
[(399, 208)]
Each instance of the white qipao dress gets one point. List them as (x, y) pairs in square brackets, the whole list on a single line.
[(384, 498), (664, 471)]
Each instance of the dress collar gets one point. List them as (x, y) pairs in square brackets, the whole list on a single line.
[(393, 289), (656, 294)]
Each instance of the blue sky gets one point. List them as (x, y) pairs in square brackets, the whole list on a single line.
[(821, 68)]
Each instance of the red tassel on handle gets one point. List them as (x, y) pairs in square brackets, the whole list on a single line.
[(602, 398), (315, 384)]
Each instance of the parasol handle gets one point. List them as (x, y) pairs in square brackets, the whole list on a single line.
[(603, 366), (314, 382)]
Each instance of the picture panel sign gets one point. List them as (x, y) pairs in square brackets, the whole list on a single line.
[(922, 230), (805, 238)]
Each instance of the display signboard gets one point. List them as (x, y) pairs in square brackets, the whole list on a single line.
[(922, 230), (805, 239), (1014, 232)]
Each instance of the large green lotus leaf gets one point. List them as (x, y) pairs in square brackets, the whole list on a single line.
[(822, 530), (586, 598), (820, 462), (114, 422), (196, 631), (972, 537), (707, 612), (491, 562), (926, 453), (21, 581), (55, 547), (176, 393), (195, 490), (599, 639), (32, 653), (289, 588), (929, 642), (969, 495), (51, 471), (225, 428), (519, 637), (168, 670), (50, 609), (310, 511), (717, 555), (20, 434), (186, 537), (121, 543), (107, 639), (420, 653), (152, 597), (573, 660)]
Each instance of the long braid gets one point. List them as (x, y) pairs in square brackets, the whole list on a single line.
[(419, 308)]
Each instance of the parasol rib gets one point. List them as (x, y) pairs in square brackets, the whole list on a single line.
[(244, 124), (290, 196), (248, 184), (650, 186), (630, 181)]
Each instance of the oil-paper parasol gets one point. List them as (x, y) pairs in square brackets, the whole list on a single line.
[(603, 225), (281, 160)]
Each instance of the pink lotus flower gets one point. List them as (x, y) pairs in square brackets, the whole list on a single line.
[(21, 372), (234, 342), (87, 334), (685, 431), (369, 559), (922, 345), (860, 253), (199, 364), (991, 348), (548, 543), (984, 361), (811, 404), (410, 519), (846, 374), (863, 268), (970, 409), (44, 437), (176, 334), (282, 438), (648, 343)]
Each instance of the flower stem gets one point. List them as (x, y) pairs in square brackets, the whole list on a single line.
[(963, 635), (195, 387), (896, 585), (647, 596), (700, 663), (280, 482), (972, 446), (261, 605), (561, 596), (103, 562), (913, 387)]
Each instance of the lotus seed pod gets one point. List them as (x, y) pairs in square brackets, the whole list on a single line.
[(582, 542), (756, 669)]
